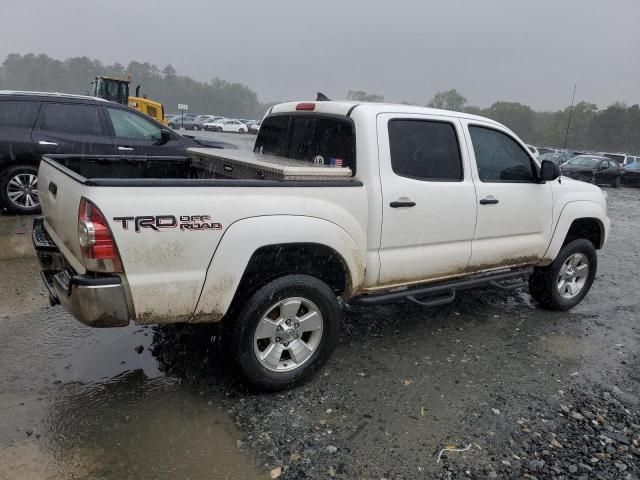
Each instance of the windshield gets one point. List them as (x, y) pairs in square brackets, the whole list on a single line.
[(585, 161)]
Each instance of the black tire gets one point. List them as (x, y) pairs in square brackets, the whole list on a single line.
[(239, 330), (616, 182), (12, 206), (543, 284), (195, 128)]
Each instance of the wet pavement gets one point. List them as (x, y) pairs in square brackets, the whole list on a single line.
[(490, 372)]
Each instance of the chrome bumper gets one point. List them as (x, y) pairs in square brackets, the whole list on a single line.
[(96, 301)]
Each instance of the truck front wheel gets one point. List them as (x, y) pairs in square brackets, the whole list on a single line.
[(286, 330), (564, 283)]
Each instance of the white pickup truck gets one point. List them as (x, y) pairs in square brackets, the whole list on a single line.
[(372, 203)]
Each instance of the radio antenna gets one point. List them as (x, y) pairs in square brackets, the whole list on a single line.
[(566, 136)]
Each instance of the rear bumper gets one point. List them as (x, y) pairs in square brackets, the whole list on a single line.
[(96, 301)]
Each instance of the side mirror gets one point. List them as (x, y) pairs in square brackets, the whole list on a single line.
[(549, 171), (165, 136)]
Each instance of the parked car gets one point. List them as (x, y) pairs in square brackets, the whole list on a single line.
[(188, 123), (557, 158), (33, 124), (593, 169), (631, 176), (254, 127), (212, 125), (533, 150), (235, 126), (265, 242), (622, 158)]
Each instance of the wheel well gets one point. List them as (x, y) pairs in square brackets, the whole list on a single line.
[(313, 259), (587, 228), (27, 162)]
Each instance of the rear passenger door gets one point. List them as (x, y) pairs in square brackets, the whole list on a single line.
[(429, 201), (514, 209), (71, 128)]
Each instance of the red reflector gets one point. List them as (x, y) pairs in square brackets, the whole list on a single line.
[(306, 106)]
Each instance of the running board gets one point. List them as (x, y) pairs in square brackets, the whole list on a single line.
[(442, 293)]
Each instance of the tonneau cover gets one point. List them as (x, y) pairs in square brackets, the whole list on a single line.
[(250, 165)]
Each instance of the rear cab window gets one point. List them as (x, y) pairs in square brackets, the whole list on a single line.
[(322, 139), (425, 150)]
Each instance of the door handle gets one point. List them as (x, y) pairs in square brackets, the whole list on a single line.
[(489, 201), (44, 142), (398, 204), (125, 149)]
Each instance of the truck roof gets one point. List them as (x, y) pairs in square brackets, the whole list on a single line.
[(346, 108)]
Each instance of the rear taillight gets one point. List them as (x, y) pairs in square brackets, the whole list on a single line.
[(97, 245)]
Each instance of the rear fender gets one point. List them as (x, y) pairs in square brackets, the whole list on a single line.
[(244, 237)]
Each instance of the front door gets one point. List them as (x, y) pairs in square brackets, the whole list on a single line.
[(428, 198), (514, 209), (71, 128)]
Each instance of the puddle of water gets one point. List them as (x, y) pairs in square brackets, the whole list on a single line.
[(135, 427), (563, 347)]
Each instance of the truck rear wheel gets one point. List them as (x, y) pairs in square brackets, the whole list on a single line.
[(564, 283), (286, 330)]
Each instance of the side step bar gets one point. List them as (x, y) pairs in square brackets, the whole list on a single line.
[(442, 293)]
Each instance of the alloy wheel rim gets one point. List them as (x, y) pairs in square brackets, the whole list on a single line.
[(22, 190), (573, 275), (288, 334)]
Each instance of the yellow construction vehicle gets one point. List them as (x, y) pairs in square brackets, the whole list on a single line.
[(117, 90)]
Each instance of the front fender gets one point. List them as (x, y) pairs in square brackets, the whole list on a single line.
[(570, 212), (244, 237)]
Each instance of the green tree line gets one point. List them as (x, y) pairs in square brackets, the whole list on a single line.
[(615, 128), (74, 75)]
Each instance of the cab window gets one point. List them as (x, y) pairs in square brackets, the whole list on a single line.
[(500, 158), (326, 140), (425, 150)]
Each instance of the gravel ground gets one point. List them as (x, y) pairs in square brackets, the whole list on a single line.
[(505, 389)]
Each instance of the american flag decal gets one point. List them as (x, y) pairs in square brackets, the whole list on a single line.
[(335, 162)]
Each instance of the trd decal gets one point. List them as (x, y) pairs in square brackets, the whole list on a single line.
[(167, 222)]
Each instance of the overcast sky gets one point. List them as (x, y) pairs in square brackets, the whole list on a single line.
[(531, 51)]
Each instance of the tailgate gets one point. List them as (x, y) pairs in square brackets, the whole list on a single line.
[(60, 190)]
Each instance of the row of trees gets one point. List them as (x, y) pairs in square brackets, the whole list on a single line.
[(614, 129), (74, 75)]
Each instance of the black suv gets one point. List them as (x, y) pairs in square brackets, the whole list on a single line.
[(33, 124)]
